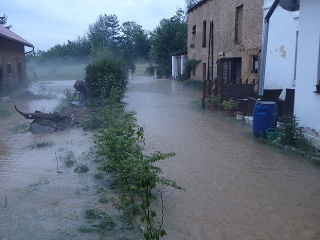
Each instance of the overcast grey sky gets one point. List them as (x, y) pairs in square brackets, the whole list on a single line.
[(45, 23)]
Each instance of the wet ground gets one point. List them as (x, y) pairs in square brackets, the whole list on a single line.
[(41, 197), (236, 187)]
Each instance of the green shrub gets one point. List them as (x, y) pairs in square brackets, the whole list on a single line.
[(150, 69), (106, 80), (293, 136)]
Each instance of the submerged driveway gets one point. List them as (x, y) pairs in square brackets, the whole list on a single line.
[(236, 187)]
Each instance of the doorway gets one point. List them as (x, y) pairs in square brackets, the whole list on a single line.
[(229, 69)]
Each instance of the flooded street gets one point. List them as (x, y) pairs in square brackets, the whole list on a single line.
[(236, 187), (41, 197)]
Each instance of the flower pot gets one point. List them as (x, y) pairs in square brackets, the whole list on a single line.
[(239, 116), (213, 107), (246, 118), (229, 112)]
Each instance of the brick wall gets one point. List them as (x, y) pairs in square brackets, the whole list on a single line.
[(12, 63)]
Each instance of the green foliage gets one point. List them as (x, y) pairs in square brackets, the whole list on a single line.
[(69, 159), (81, 168), (135, 40), (106, 80), (4, 110), (188, 66), (75, 51), (150, 69), (106, 116), (20, 128), (195, 84), (230, 104), (212, 100), (293, 136), (41, 144), (168, 37), (105, 32), (121, 150), (99, 220)]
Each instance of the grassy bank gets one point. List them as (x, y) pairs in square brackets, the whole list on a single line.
[(55, 72)]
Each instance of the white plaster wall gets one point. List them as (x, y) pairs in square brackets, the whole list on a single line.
[(280, 61), (307, 103), (174, 67)]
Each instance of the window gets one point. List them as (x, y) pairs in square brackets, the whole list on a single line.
[(204, 34), (194, 29), (255, 64), (238, 26)]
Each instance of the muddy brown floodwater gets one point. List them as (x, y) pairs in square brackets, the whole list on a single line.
[(40, 197), (236, 188)]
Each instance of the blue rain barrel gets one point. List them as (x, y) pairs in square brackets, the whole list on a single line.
[(265, 115)]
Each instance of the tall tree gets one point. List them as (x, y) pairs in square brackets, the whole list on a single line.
[(135, 40), (105, 32), (3, 21), (169, 36)]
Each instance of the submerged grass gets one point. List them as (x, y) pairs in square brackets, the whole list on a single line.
[(69, 159), (100, 220), (20, 128), (43, 144), (4, 110)]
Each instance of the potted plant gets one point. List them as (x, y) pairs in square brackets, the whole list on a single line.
[(239, 115), (213, 103), (230, 106)]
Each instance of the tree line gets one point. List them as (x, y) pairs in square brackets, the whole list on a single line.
[(127, 42)]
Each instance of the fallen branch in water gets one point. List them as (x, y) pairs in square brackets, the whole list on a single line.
[(40, 115)]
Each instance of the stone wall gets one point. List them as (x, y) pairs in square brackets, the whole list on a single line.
[(223, 14)]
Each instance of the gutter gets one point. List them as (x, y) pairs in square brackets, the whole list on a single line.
[(265, 45), (30, 51)]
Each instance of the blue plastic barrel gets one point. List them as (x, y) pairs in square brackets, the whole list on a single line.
[(265, 115)]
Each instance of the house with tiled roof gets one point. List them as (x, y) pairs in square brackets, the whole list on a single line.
[(12, 58)]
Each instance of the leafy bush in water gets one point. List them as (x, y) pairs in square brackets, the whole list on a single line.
[(293, 135), (106, 79)]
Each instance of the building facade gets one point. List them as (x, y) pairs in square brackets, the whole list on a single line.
[(307, 99), (225, 36), (12, 58), (293, 60), (281, 60)]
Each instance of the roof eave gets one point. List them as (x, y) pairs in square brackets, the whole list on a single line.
[(15, 40)]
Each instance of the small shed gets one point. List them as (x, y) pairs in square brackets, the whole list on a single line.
[(178, 61), (12, 58)]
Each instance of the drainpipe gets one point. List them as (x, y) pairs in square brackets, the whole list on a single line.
[(265, 45), (30, 51)]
